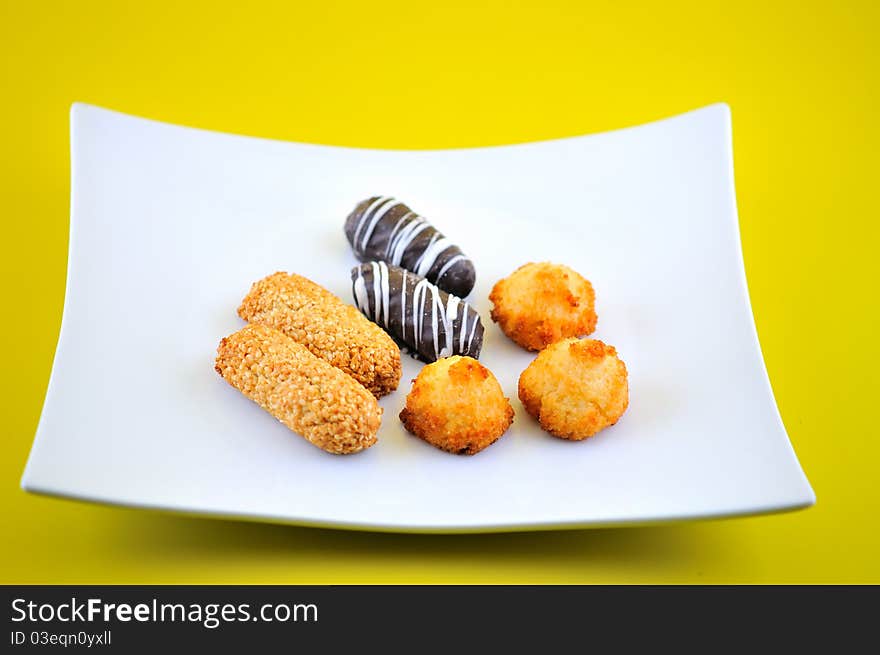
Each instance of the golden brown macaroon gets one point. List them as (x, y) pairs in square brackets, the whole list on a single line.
[(331, 329), (457, 405), (304, 392), (575, 388), (539, 304)]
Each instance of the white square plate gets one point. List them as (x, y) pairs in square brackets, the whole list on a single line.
[(169, 227)]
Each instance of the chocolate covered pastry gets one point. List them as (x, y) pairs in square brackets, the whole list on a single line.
[(417, 314), (383, 229)]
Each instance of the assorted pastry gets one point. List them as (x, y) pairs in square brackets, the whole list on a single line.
[(419, 315), (384, 229), (457, 405), (575, 387), (303, 391), (331, 329), (318, 364), (539, 304)]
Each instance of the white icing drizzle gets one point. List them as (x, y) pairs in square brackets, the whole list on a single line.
[(471, 337), (462, 329), (360, 224), (377, 294), (436, 310), (377, 216), (386, 289), (447, 266), (431, 253), (381, 293), (420, 293), (449, 315), (361, 297), (400, 241), (403, 309)]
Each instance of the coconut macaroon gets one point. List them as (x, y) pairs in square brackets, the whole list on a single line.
[(331, 329), (457, 405), (539, 304), (575, 388), (304, 392)]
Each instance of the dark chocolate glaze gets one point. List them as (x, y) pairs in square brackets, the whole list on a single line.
[(383, 229), (429, 322)]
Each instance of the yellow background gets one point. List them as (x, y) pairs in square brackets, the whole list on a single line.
[(801, 80)]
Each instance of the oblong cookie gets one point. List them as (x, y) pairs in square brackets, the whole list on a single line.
[(331, 329), (304, 392)]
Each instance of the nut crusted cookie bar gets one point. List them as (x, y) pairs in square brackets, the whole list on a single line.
[(332, 330), (304, 392), (383, 229), (428, 321)]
